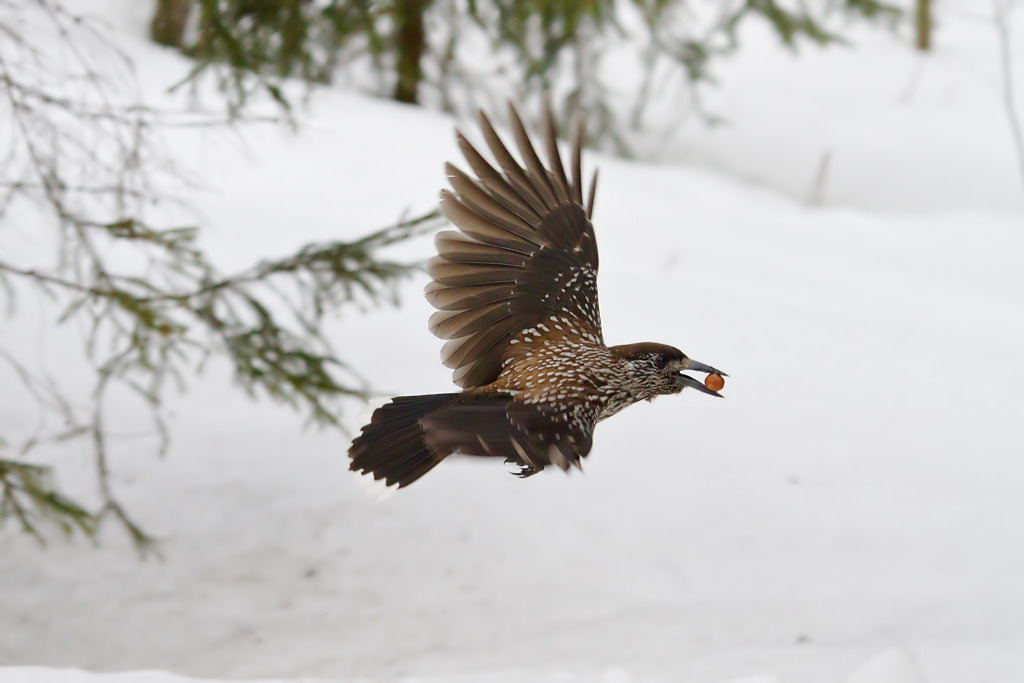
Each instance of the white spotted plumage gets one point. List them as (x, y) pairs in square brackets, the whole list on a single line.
[(516, 291)]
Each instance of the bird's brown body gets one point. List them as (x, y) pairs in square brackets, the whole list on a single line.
[(516, 290)]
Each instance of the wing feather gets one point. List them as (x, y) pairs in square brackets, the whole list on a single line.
[(478, 227), (536, 172), (455, 324), (476, 199), (459, 249), (499, 188), (464, 298), (468, 274), (561, 184), (525, 251), (515, 175), (464, 351), (577, 163), (590, 198)]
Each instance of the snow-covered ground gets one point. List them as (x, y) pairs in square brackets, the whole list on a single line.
[(858, 492), (878, 126), (894, 665)]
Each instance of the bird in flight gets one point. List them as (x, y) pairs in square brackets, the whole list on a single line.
[(516, 293)]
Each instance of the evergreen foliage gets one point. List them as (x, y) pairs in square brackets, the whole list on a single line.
[(87, 162), (430, 50)]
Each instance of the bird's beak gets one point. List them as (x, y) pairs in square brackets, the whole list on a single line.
[(687, 381)]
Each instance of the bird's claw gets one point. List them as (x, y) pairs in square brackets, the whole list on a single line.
[(524, 470)]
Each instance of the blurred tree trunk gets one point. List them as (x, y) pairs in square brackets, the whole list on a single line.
[(924, 25), (410, 44), (168, 25)]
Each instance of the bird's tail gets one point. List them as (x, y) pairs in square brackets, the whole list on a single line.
[(393, 447)]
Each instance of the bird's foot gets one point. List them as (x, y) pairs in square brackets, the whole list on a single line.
[(520, 469)]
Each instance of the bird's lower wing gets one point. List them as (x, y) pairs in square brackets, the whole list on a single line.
[(531, 435)]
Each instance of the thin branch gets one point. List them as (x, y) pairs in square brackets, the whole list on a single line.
[(93, 165), (1002, 21)]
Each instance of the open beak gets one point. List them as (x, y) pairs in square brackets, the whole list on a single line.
[(687, 381)]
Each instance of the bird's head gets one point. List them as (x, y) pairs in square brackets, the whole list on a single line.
[(663, 368)]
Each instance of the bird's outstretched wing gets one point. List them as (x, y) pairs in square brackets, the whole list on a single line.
[(525, 251)]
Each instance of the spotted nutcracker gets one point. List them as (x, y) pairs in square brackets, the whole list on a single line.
[(516, 293)]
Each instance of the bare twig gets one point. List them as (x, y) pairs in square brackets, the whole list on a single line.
[(817, 192), (1002, 22)]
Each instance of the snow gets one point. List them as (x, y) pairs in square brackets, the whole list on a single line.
[(890, 666), (812, 107), (851, 512)]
